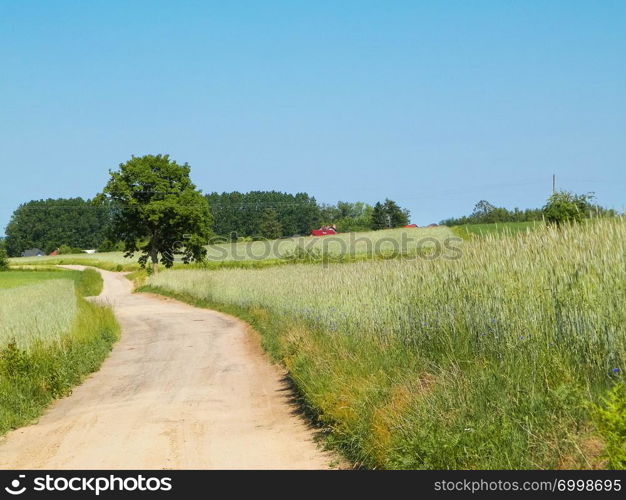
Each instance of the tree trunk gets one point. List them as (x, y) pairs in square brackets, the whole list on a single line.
[(154, 256)]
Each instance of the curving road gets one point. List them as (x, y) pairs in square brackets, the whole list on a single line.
[(183, 388)]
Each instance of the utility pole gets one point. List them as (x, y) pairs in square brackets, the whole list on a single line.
[(553, 183)]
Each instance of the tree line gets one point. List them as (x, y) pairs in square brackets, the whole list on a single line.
[(150, 206), (155, 189), (560, 207), (52, 223), (263, 214), (273, 214)]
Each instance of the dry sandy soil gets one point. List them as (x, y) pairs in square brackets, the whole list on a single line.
[(183, 388)]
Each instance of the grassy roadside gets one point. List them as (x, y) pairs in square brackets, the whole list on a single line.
[(32, 377)]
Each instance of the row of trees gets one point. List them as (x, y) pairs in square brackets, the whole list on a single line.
[(151, 206), (562, 206), (272, 214), (486, 213), (152, 186), (49, 224), (360, 216), (266, 214)]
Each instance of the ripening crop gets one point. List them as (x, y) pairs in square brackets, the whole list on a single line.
[(42, 311), (483, 359)]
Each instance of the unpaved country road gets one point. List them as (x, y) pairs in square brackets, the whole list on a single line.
[(183, 388)]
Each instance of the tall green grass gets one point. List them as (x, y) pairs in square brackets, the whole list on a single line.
[(39, 312), (492, 360), (50, 339), (468, 231)]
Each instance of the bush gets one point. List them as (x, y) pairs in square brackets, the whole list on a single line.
[(4, 261), (109, 246), (563, 207), (611, 422), (66, 249)]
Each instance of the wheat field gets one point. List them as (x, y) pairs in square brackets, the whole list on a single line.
[(487, 360), (38, 312)]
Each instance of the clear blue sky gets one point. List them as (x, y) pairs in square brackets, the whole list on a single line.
[(435, 104)]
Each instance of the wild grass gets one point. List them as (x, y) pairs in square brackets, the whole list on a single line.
[(488, 361), (50, 339), (38, 312), (468, 231)]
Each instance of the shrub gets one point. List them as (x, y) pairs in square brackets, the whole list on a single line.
[(563, 207), (66, 249), (4, 261), (109, 246), (611, 421)]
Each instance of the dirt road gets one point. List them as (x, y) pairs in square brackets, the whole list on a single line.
[(183, 388)]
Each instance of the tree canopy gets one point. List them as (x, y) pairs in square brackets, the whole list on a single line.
[(270, 227), (4, 262), (49, 224), (396, 216), (563, 207), (157, 211), (379, 218), (348, 216), (388, 215), (238, 214)]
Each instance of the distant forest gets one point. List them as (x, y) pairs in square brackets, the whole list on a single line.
[(72, 224), (486, 213), (50, 224)]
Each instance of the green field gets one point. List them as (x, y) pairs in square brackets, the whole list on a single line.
[(88, 283), (363, 244), (50, 338), (501, 228), (110, 261), (491, 360), (356, 246)]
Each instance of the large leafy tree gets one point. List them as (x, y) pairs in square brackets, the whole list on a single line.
[(157, 210)]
